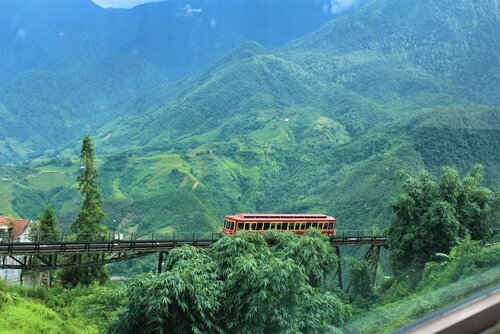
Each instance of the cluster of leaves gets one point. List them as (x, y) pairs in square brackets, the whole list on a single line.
[(362, 293), (243, 284), (185, 298), (430, 216)]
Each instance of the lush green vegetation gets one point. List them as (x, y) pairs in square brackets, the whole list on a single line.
[(288, 130), (326, 123), (243, 284), (79, 310), (252, 283), (469, 268), (430, 216), (60, 81)]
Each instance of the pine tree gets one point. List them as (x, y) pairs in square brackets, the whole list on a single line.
[(89, 223), (48, 230)]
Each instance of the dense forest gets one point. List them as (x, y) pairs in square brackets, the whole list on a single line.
[(382, 113)]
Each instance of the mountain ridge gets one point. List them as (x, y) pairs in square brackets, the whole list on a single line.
[(293, 129)]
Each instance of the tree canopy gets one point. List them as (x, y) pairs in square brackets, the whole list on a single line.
[(47, 228), (241, 285), (431, 216)]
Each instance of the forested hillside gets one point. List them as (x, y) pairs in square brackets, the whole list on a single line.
[(382, 113), (321, 124), (69, 67)]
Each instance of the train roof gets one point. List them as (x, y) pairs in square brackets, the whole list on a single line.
[(279, 217)]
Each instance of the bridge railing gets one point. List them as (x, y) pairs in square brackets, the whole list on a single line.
[(83, 237), (358, 233), (172, 236), (175, 236)]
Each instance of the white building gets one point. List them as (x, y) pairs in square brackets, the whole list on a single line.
[(14, 230)]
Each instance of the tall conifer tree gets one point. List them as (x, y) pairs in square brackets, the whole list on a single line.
[(89, 223)]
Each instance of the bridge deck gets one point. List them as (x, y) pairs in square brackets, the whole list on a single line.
[(68, 247), (70, 254)]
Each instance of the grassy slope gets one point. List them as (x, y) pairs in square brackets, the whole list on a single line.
[(28, 316)]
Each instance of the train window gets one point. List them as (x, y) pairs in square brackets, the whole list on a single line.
[(266, 226), (232, 225), (259, 227), (308, 225), (279, 226), (321, 226), (290, 226), (240, 226), (314, 225), (303, 226), (273, 226)]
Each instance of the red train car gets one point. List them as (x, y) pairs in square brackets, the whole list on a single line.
[(295, 223)]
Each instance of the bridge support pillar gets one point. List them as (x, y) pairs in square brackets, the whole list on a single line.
[(339, 267), (161, 256), (372, 256), (338, 274)]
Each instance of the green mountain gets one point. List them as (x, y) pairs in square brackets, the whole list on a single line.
[(69, 67), (453, 41), (42, 109), (322, 124)]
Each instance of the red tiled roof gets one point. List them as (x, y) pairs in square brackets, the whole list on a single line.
[(17, 225)]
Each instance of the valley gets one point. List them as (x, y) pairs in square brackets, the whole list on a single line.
[(200, 110)]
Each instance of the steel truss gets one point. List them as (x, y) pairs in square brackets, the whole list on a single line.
[(38, 262), (371, 256)]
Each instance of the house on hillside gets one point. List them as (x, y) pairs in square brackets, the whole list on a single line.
[(15, 230)]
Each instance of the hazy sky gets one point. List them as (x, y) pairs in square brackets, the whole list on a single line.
[(337, 6), (121, 3)]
